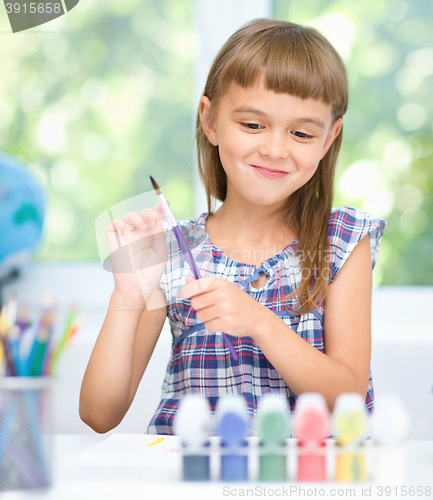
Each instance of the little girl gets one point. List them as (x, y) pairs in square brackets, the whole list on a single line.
[(285, 275)]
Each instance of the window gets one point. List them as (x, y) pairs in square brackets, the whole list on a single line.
[(387, 153), (94, 102)]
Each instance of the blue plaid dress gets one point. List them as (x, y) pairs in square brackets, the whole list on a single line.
[(200, 361)]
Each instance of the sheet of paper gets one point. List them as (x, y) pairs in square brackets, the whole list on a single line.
[(127, 457)]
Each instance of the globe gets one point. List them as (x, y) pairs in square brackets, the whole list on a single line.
[(22, 212)]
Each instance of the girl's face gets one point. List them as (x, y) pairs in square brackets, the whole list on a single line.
[(269, 144)]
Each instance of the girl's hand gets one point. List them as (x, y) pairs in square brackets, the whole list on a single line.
[(223, 307), (143, 251)]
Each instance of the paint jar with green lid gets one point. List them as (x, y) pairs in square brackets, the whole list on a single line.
[(272, 424)]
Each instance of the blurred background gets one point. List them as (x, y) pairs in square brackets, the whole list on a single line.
[(96, 100)]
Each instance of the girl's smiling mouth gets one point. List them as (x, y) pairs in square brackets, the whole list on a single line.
[(267, 172)]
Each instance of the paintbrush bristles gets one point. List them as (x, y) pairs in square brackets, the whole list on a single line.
[(155, 185)]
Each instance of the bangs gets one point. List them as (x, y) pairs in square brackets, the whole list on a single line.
[(296, 60)]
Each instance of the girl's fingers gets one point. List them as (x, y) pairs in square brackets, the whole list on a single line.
[(116, 225), (144, 221), (151, 215), (195, 287), (159, 210), (159, 242), (133, 218), (159, 207), (112, 234)]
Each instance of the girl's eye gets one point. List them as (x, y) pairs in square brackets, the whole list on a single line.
[(252, 126), (301, 135)]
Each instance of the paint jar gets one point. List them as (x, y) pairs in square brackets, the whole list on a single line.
[(192, 424), (350, 423), (311, 426), (232, 427), (390, 425), (25, 424), (273, 425)]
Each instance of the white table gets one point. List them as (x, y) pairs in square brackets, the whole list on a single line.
[(98, 467)]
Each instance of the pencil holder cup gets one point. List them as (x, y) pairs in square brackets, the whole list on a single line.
[(25, 444)]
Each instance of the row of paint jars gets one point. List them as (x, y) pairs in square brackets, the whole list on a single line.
[(325, 446)]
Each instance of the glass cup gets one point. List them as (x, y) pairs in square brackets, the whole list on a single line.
[(25, 444)]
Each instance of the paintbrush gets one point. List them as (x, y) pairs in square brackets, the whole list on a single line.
[(184, 246)]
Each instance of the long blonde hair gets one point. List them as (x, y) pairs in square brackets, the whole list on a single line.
[(299, 61)]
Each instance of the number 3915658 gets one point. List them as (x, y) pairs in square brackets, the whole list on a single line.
[(33, 8)]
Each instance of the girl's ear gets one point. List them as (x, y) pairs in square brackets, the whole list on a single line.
[(207, 120), (332, 135)]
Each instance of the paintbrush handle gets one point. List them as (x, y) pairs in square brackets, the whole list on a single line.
[(186, 251), (230, 346), (185, 248), (188, 256), (179, 235)]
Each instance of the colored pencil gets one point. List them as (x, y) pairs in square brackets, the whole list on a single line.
[(41, 356)]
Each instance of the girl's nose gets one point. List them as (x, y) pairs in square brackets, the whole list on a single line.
[(274, 147)]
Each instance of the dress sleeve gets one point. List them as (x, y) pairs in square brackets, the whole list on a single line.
[(347, 226)]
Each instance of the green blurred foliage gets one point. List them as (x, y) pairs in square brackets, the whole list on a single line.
[(101, 97), (95, 101), (386, 160)]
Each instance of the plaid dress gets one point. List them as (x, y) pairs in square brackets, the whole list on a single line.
[(200, 361)]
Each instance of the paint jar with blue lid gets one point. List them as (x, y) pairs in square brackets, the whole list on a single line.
[(232, 426)]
